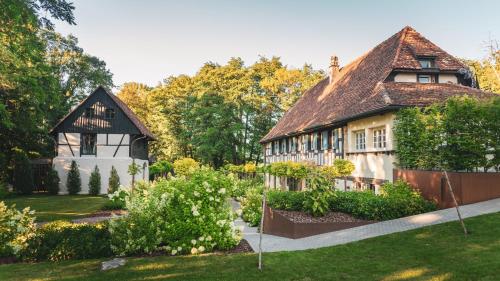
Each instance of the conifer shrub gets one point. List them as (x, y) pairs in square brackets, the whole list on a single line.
[(114, 181), (74, 182), (95, 182), (52, 182)]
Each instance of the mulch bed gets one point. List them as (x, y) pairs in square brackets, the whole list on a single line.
[(243, 247), (303, 217)]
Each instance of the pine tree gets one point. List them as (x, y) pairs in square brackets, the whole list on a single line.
[(95, 182), (114, 180), (23, 174), (74, 183), (52, 182)]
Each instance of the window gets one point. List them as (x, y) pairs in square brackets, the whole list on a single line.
[(314, 141), (360, 140), (425, 78), (324, 140), (88, 144), (89, 112), (379, 140), (336, 139), (276, 147), (293, 146), (110, 113), (426, 63), (283, 146), (305, 140)]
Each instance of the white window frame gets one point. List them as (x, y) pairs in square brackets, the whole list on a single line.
[(424, 76), (423, 63), (360, 140), (379, 138)]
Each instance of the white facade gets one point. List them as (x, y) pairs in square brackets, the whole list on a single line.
[(111, 150), (368, 143)]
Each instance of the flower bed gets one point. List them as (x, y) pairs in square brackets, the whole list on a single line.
[(294, 224)]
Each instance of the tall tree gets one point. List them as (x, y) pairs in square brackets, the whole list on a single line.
[(35, 65), (220, 114)]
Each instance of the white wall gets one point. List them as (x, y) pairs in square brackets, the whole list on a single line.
[(104, 160), (86, 166), (448, 78), (369, 164), (405, 77)]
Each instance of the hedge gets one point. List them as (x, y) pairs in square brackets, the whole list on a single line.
[(397, 200), (61, 240)]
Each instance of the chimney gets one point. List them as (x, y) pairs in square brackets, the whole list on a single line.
[(334, 68)]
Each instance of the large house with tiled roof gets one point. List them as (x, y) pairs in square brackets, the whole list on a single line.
[(350, 114), (101, 131)]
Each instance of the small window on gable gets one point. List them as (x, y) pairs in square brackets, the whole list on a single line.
[(426, 62), (425, 78), (89, 112), (110, 113)]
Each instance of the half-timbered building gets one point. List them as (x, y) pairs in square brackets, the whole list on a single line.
[(101, 131), (350, 114)]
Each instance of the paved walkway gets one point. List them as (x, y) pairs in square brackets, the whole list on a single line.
[(271, 243)]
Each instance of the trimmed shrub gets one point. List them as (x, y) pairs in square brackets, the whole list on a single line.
[(160, 169), (23, 174), (52, 182), (95, 182), (178, 215), (74, 183), (61, 240), (185, 166), (251, 206), (113, 181), (15, 228), (397, 200), (286, 200)]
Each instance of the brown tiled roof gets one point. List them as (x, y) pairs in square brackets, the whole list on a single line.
[(359, 87), (126, 110)]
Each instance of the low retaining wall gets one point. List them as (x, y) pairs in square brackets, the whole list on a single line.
[(468, 187), (277, 224)]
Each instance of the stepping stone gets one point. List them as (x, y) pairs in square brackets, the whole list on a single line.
[(114, 263)]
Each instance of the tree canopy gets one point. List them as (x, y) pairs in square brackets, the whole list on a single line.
[(218, 115), (42, 74)]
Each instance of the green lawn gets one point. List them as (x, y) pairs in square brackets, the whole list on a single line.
[(439, 252), (59, 207)]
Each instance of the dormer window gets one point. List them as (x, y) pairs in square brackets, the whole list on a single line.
[(89, 112), (426, 62), (426, 78)]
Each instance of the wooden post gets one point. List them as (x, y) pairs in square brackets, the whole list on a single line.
[(262, 226), (262, 218), (455, 201)]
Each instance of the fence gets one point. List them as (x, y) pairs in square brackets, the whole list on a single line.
[(41, 168), (468, 187)]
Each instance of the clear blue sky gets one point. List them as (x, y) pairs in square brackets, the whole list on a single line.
[(146, 41)]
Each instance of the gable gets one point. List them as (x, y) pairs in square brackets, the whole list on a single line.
[(99, 101)]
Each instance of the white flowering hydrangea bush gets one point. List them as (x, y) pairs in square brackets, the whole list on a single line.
[(16, 227), (184, 215)]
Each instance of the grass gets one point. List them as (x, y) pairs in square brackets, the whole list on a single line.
[(439, 252), (59, 207)]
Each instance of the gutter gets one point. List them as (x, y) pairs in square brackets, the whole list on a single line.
[(339, 122)]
